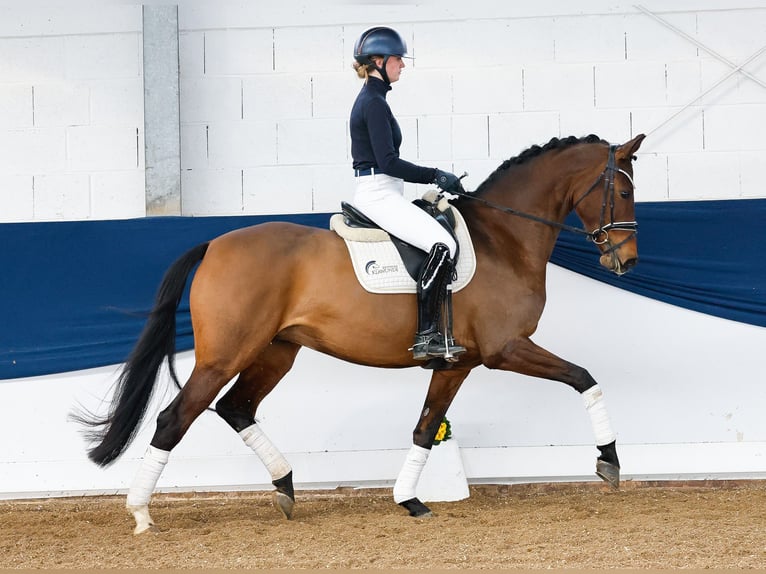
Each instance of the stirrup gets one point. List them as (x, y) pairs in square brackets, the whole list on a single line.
[(432, 345)]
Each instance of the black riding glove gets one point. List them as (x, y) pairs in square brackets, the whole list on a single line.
[(447, 181)]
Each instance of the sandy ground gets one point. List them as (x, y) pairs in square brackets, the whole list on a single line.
[(583, 526)]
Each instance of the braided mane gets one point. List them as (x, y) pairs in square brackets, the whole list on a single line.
[(536, 150)]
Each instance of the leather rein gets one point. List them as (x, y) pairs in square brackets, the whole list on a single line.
[(600, 235)]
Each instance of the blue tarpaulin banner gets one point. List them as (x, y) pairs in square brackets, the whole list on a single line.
[(75, 295)]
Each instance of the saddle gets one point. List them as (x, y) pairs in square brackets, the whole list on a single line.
[(412, 257)]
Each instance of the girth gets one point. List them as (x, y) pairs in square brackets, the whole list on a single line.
[(413, 257)]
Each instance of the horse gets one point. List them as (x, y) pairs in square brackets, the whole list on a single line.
[(260, 293)]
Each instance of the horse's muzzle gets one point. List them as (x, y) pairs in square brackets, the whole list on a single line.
[(613, 262)]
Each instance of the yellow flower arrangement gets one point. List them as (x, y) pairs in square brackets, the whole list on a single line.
[(444, 432)]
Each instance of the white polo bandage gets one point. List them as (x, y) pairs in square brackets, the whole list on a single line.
[(274, 461), (594, 404), (146, 478), (407, 481)]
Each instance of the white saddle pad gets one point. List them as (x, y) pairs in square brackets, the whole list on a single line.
[(380, 268)]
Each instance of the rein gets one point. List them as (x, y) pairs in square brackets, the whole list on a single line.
[(596, 235)]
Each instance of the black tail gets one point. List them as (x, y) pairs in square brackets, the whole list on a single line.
[(136, 383)]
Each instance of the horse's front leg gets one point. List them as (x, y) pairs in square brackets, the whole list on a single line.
[(442, 389), (525, 357)]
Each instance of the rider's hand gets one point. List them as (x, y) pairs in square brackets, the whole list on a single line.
[(447, 181)]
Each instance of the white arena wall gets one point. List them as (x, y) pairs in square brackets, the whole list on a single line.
[(266, 89)]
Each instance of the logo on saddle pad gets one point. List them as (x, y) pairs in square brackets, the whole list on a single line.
[(379, 267), (375, 268)]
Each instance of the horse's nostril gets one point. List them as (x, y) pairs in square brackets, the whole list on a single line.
[(630, 263)]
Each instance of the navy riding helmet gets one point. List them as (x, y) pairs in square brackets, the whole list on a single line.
[(379, 41)]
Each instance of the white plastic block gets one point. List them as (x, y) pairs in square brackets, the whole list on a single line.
[(118, 194), (241, 144), (333, 94), (16, 198), (552, 87), (62, 197), (751, 174), (629, 84), (420, 93), (331, 185), (103, 56), (611, 125), (211, 192), (510, 134), (590, 39), (32, 59), (668, 132), (434, 138), (684, 82), (59, 104), (703, 175), (277, 96), (117, 102), (210, 99), (470, 137), (15, 106), (478, 170), (100, 148), (446, 45), (734, 34), (194, 144), (487, 90), (648, 40), (62, 18), (320, 50), (729, 128), (650, 174), (277, 189), (311, 141), (749, 91), (239, 52), (191, 53), (719, 85), (33, 151)]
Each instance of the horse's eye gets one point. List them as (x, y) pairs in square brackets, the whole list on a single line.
[(625, 194)]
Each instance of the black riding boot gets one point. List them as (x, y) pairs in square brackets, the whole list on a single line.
[(434, 279)]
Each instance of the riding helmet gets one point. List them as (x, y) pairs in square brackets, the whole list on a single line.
[(379, 41)]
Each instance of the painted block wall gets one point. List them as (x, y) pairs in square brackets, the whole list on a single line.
[(71, 113), (266, 90)]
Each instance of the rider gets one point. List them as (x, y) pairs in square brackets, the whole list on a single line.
[(380, 176)]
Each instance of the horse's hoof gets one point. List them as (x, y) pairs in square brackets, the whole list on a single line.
[(416, 508), (140, 529), (283, 503), (144, 522), (609, 473)]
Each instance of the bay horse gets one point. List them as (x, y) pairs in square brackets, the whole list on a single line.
[(261, 293)]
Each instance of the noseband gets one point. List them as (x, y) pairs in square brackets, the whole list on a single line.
[(600, 235)]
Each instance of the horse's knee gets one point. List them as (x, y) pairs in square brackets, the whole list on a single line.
[(581, 379)]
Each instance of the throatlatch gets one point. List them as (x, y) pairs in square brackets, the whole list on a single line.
[(434, 294)]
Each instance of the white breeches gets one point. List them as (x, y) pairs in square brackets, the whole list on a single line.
[(381, 198)]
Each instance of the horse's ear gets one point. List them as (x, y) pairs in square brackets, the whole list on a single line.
[(626, 150)]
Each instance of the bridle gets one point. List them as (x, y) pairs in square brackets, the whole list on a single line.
[(600, 235)]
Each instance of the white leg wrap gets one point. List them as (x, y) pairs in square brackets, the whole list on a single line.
[(147, 476), (594, 404), (404, 488), (274, 461)]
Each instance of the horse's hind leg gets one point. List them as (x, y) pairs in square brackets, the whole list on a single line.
[(442, 389), (238, 406), (525, 357), (172, 423)]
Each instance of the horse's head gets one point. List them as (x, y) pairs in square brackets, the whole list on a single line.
[(607, 209)]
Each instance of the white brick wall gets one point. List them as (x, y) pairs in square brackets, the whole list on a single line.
[(266, 90), (71, 113)]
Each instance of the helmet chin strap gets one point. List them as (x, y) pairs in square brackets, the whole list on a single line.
[(382, 70)]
